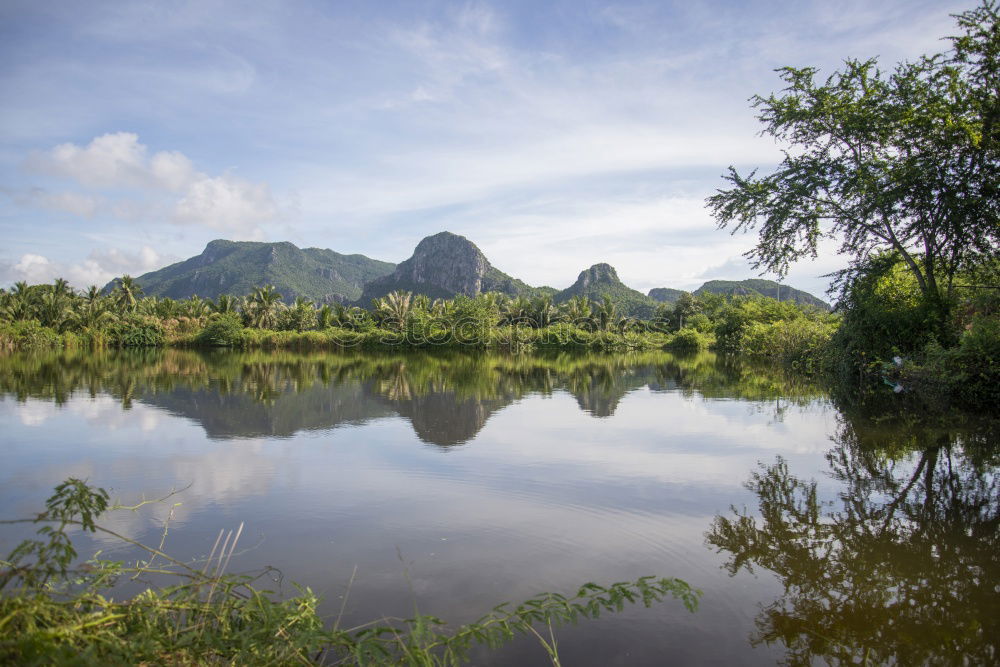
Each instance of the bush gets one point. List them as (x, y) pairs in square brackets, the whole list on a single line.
[(28, 335), (968, 373), (137, 331), (801, 343), (222, 331), (689, 340), (885, 315)]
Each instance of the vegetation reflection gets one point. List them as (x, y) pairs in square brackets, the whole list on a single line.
[(446, 395), (902, 567)]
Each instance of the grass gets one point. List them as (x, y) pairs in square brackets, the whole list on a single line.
[(54, 610)]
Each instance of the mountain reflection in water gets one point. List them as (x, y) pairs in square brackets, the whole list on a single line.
[(447, 397), (866, 530)]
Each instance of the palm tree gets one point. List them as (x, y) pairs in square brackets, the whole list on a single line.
[(578, 311), (516, 310), (324, 317), (90, 313), (19, 302), (126, 293), (394, 308), (53, 309), (606, 314), (165, 308), (61, 286), (226, 303), (92, 294), (196, 307), (261, 307), (542, 311)]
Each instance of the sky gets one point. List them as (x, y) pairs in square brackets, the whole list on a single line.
[(554, 135)]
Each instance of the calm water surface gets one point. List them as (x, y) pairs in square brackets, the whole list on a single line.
[(452, 482)]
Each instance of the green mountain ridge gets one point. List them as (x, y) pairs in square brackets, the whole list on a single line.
[(763, 287), (237, 267), (443, 265), (749, 287)]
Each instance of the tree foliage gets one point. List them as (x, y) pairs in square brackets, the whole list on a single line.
[(905, 160)]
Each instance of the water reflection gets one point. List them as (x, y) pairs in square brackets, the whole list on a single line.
[(584, 467), (903, 567), (447, 397)]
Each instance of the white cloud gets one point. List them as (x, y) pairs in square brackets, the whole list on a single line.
[(33, 269), (98, 268), (226, 203), (140, 186)]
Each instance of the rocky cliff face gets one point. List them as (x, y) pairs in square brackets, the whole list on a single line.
[(596, 275), (443, 266)]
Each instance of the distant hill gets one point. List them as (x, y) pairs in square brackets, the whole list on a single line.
[(237, 267), (665, 294), (601, 279), (751, 287), (443, 266), (762, 287)]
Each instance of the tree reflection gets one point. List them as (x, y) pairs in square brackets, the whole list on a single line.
[(903, 567), (447, 396)]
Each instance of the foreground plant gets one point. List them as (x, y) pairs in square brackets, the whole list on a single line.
[(51, 612)]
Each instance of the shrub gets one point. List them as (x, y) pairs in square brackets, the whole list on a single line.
[(802, 343), (222, 331), (689, 340), (137, 331), (28, 335)]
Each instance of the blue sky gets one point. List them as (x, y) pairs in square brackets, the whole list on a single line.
[(553, 134)]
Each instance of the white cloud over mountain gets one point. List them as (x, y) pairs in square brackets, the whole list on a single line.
[(120, 178), (99, 267)]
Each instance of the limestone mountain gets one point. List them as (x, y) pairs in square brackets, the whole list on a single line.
[(443, 266), (237, 267), (755, 286), (601, 279)]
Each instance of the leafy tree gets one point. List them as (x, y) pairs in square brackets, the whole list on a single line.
[(906, 161), (686, 306)]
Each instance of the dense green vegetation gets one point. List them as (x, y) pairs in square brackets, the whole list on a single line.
[(42, 316), (53, 610)]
